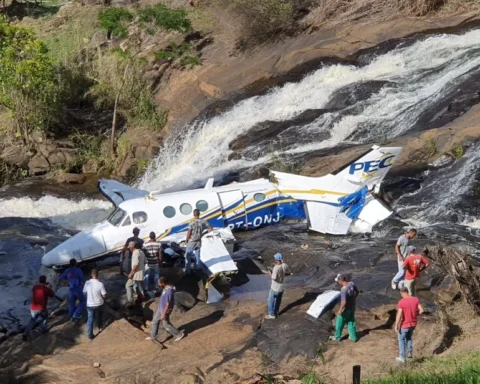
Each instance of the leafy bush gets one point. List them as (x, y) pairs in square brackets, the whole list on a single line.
[(115, 20), (184, 52), (161, 16), (29, 79)]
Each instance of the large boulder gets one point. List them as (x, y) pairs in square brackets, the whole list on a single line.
[(38, 165), (16, 155)]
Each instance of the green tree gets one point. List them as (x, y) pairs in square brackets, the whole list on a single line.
[(29, 79)]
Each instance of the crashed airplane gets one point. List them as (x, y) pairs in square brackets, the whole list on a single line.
[(337, 203)]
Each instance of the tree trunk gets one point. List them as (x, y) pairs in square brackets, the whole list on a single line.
[(115, 109)]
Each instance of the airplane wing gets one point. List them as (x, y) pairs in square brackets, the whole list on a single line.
[(117, 192)]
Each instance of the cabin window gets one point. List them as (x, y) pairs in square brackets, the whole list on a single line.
[(116, 217), (186, 209), (202, 205), (127, 222), (139, 217), (169, 212), (259, 197)]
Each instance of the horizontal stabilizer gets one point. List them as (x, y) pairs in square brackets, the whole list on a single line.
[(117, 192), (322, 302)]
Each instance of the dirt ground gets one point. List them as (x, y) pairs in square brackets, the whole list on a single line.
[(222, 346)]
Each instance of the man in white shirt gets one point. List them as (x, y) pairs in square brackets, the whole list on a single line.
[(135, 277), (95, 292)]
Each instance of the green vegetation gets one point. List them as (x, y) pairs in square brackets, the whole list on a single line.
[(430, 148), (460, 369), (162, 17), (29, 80), (114, 21), (457, 151), (187, 55)]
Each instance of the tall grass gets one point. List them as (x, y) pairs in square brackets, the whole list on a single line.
[(459, 369)]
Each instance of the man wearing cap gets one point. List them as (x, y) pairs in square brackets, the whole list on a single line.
[(135, 277), (401, 252), (280, 270), (408, 309), (125, 255), (413, 264), (346, 312)]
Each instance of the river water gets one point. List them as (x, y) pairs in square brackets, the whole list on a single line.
[(386, 94)]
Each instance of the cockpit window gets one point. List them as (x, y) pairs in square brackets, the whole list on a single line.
[(139, 217), (127, 222), (116, 217)]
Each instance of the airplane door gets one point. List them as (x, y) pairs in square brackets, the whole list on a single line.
[(233, 209)]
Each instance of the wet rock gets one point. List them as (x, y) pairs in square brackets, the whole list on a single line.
[(70, 178), (268, 129), (16, 155), (38, 165), (352, 94), (442, 162), (292, 334)]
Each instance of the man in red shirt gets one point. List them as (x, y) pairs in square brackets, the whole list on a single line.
[(409, 308), (413, 264), (38, 307)]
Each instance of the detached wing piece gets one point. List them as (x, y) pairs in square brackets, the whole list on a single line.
[(117, 192)]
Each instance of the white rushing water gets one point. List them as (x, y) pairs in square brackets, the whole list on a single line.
[(418, 76), (439, 195), (76, 215)]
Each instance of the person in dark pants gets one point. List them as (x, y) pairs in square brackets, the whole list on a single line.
[(346, 312), (165, 308), (408, 309), (194, 240), (76, 280), (95, 292), (278, 273), (124, 257), (38, 307)]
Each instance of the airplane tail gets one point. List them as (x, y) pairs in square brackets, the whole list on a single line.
[(343, 200), (371, 167)]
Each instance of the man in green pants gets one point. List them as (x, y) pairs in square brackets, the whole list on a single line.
[(346, 312)]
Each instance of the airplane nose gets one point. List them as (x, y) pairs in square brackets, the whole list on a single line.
[(83, 246)]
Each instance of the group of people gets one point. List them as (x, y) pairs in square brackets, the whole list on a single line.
[(409, 307), (89, 295)]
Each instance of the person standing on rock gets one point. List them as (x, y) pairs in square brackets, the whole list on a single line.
[(38, 307), (278, 273), (346, 313), (95, 292), (401, 253), (165, 308), (194, 240), (153, 253), (125, 258), (408, 309), (76, 280), (135, 277), (413, 265)]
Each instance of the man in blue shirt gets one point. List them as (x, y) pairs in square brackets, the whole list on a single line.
[(76, 280), (165, 308)]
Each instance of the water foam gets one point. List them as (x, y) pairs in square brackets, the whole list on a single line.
[(69, 214), (418, 76)]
